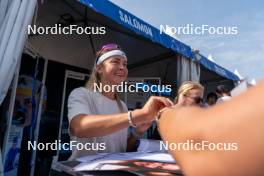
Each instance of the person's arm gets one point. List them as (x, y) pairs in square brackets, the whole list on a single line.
[(100, 125), (239, 121), (135, 135)]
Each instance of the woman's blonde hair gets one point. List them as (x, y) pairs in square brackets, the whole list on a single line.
[(186, 87), (95, 78)]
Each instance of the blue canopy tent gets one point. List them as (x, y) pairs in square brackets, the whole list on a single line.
[(150, 53), (131, 22), (140, 27), (124, 28)]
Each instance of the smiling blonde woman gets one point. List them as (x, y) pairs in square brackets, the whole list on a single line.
[(101, 117)]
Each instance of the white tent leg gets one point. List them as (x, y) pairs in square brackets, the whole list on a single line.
[(67, 73), (36, 131)]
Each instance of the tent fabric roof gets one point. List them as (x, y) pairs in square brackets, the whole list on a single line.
[(217, 68), (144, 29), (137, 25)]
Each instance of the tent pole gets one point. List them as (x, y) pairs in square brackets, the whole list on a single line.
[(56, 157), (39, 113)]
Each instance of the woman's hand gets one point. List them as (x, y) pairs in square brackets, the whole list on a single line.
[(154, 105)]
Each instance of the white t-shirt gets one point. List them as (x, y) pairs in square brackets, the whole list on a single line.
[(84, 101)]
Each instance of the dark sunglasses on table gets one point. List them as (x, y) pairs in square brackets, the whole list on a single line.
[(197, 100)]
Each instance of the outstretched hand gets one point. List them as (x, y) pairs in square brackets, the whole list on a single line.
[(154, 105)]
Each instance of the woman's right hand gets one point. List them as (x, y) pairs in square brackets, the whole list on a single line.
[(154, 105)]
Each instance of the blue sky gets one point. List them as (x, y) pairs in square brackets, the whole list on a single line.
[(244, 51)]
